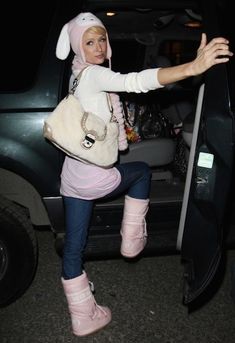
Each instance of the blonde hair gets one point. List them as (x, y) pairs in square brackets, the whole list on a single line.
[(97, 29)]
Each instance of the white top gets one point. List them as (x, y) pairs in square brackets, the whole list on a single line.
[(88, 181)]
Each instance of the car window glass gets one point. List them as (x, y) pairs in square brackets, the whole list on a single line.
[(22, 44)]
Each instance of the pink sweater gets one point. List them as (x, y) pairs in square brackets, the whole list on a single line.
[(85, 181)]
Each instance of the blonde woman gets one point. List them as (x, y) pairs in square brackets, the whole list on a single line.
[(82, 184)]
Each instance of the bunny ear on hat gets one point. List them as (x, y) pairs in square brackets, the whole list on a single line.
[(63, 44)]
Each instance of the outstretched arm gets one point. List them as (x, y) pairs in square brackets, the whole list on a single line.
[(215, 52)]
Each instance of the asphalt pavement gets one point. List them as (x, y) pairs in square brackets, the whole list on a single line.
[(145, 298)]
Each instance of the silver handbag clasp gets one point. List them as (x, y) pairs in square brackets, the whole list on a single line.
[(88, 141)]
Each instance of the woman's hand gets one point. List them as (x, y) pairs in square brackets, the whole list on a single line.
[(215, 52)]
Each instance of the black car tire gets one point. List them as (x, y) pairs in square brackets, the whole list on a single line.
[(18, 252)]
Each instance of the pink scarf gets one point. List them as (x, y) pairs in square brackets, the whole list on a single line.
[(78, 64)]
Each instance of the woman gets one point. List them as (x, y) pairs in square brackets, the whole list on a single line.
[(81, 183)]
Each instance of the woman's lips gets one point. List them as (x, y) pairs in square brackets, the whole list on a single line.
[(100, 56)]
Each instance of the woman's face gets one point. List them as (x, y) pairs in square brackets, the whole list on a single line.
[(95, 47)]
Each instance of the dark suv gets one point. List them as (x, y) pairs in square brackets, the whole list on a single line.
[(185, 132)]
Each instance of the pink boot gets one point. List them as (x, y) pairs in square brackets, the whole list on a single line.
[(87, 317), (133, 230)]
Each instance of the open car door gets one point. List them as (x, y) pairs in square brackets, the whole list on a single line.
[(209, 174)]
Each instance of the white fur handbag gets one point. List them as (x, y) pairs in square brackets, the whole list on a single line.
[(82, 135)]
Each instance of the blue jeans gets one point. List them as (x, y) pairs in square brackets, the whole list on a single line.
[(135, 182)]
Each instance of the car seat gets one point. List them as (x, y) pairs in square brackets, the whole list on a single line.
[(160, 152), (157, 152)]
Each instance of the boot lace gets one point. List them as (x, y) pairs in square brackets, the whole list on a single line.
[(98, 309)]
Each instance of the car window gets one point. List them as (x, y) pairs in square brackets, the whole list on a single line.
[(22, 44)]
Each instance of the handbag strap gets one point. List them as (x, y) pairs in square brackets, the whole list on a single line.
[(76, 81), (110, 106), (75, 84)]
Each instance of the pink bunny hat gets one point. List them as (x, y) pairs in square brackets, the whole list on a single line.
[(71, 35)]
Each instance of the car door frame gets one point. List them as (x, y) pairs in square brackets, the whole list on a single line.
[(202, 222)]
